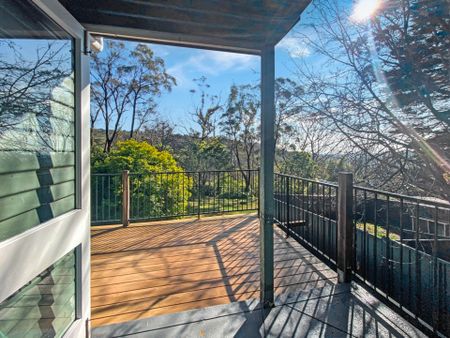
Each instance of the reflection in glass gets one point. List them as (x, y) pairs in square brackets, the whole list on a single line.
[(45, 307), (36, 118)]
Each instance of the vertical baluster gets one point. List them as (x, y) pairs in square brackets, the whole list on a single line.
[(402, 300), (303, 210), (103, 198), (418, 289), (258, 192), (355, 231), (329, 223), (288, 206), (435, 291), (198, 194), (388, 251), (375, 240), (322, 212), (96, 198), (116, 211), (365, 238)]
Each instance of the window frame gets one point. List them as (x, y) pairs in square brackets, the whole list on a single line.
[(23, 257)]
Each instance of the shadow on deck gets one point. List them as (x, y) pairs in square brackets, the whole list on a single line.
[(342, 310), (164, 267)]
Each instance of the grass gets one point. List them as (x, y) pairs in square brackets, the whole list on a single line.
[(381, 231), (219, 205)]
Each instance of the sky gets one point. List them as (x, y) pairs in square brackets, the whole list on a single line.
[(225, 69), (221, 69)]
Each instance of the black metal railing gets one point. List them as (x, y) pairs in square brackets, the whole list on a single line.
[(401, 244), (402, 251), (307, 210), (106, 198), (162, 195)]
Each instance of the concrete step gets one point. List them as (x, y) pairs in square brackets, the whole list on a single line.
[(331, 311)]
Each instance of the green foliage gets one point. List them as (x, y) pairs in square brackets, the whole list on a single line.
[(334, 167), (299, 164), (137, 157), (160, 194), (213, 154), (205, 155)]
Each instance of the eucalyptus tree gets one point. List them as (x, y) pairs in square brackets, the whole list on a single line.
[(239, 124), (205, 110), (124, 85)]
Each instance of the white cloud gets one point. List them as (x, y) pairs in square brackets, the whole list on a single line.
[(211, 63), (161, 50), (294, 46)]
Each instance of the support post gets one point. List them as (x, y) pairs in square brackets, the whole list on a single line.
[(345, 227), (125, 198), (267, 175)]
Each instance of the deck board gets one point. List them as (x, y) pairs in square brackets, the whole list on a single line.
[(163, 267)]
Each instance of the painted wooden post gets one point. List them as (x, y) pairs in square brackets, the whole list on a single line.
[(345, 227), (125, 198), (267, 175)]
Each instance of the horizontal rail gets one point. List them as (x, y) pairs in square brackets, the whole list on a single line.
[(413, 199), (163, 195)]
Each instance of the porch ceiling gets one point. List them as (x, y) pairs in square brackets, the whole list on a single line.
[(240, 26)]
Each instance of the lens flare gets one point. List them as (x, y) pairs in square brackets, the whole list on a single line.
[(364, 10)]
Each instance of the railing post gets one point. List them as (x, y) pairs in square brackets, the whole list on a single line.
[(288, 207), (125, 198), (345, 227), (257, 194), (198, 194)]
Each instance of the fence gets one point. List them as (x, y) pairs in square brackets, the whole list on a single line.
[(106, 198), (172, 194), (402, 251), (399, 246), (307, 210)]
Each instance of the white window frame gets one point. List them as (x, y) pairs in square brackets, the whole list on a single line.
[(26, 255)]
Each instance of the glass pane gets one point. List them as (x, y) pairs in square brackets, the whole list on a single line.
[(36, 118), (45, 307)]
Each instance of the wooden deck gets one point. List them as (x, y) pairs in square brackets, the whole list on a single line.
[(155, 268)]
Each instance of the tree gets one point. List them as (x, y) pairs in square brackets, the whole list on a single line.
[(159, 134), (299, 164), (36, 96), (287, 106), (125, 83), (239, 125), (149, 78), (205, 110), (372, 96), (412, 43), (163, 194)]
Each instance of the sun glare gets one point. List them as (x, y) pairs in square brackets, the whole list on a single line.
[(364, 10)]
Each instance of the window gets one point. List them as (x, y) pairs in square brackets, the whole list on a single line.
[(45, 307), (37, 114)]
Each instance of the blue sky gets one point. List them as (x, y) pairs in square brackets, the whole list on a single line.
[(221, 70), (224, 69)]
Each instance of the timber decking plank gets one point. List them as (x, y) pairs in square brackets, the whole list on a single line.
[(169, 266)]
